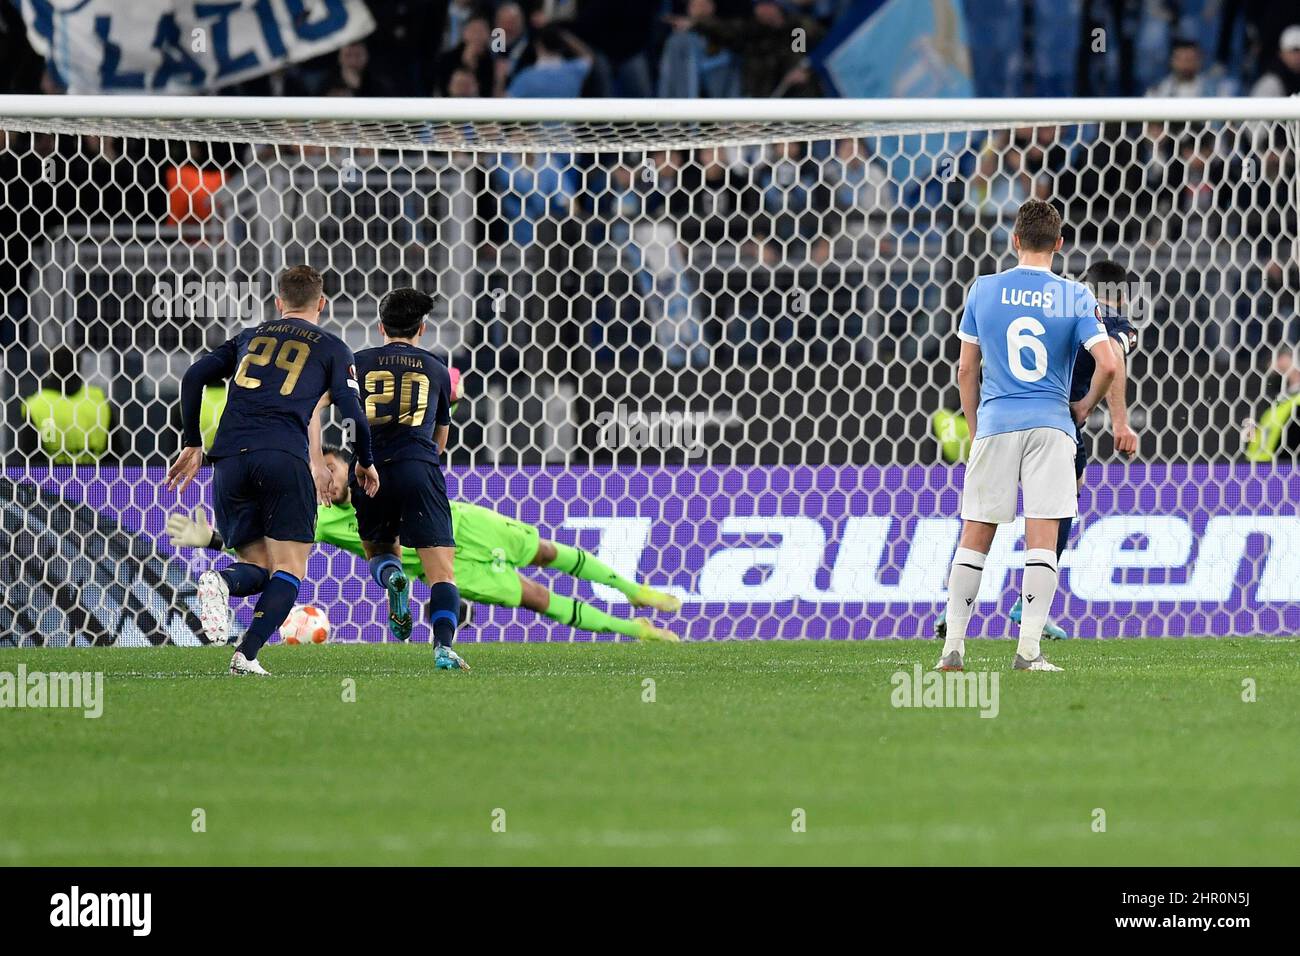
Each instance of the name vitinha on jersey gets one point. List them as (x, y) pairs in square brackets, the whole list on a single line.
[(407, 361)]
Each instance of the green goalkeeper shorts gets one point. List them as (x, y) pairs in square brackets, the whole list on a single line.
[(490, 548)]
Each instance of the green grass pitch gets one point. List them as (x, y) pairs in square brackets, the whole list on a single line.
[(740, 736)]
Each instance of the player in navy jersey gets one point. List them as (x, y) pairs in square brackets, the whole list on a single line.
[(1108, 281), (1022, 329), (268, 473), (407, 396)]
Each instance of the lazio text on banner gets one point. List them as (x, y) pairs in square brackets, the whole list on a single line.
[(185, 46), (754, 552)]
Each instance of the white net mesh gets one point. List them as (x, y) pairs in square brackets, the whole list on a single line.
[(724, 368)]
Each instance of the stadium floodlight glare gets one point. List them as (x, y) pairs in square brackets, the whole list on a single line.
[(715, 338)]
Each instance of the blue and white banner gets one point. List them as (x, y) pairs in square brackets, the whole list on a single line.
[(898, 48), (184, 46)]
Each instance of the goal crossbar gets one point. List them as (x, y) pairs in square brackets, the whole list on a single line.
[(557, 124)]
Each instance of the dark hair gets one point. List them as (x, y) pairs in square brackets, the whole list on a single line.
[(333, 450), (1038, 225), (299, 287), (402, 311), (1108, 280), (551, 37), (1182, 43)]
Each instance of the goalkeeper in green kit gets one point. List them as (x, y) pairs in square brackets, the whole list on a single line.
[(490, 548)]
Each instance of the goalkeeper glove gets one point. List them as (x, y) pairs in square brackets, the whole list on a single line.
[(186, 531)]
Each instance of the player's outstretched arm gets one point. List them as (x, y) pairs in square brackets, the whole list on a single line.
[(193, 530), (184, 468), (345, 393), (1107, 365), (1126, 439), (320, 472), (214, 366), (968, 382)]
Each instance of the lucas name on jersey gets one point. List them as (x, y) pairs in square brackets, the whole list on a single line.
[(1043, 299)]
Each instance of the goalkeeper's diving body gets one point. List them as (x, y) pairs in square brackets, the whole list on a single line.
[(490, 550)]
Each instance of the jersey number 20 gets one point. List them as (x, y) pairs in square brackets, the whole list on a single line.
[(381, 388), (1022, 334)]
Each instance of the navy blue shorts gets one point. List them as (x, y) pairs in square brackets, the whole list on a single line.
[(1080, 453), (263, 494), (411, 507)]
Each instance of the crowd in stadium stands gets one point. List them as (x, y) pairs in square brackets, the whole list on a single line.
[(725, 48), (682, 235)]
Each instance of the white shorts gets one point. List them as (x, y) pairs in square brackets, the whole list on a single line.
[(1041, 460)]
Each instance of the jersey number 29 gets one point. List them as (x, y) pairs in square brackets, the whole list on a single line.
[(292, 357)]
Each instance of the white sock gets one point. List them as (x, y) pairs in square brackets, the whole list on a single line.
[(963, 588), (1038, 588)]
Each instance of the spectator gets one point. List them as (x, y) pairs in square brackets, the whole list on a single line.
[(1277, 433), (1186, 77), (692, 66), (93, 183), (1109, 74), (997, 189), (1122, 186), (552, 75), (354, 73), (23, 67), (463, 84), (620, 33), (534, 193), (408, 34), (1286, 367), (459, 15), (788, 179), (637, 209), (473, 54), (1283, 79), (67, 419), (714, 200), (509, 42), (770, 66), (1262, 23), (855, 194)]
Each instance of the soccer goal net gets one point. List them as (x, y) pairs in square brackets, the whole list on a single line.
[(711, 342)]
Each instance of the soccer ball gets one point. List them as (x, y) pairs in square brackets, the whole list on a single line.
[(305, 625)]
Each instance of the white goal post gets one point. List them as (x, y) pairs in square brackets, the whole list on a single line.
[(496, 124), (711, 341)]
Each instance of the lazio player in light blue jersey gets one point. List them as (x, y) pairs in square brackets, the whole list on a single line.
[(1022, 329)]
